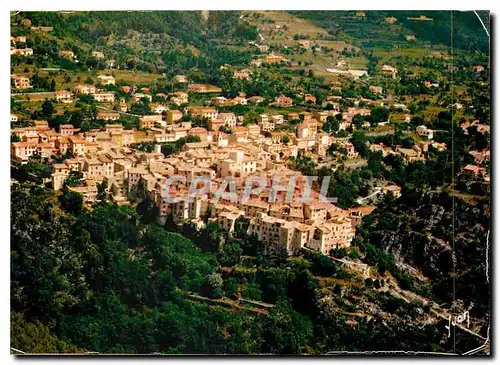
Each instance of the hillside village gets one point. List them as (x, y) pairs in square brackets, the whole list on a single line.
[(216, 142)]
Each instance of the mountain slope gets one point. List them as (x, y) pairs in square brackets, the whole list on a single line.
[(371, 29), (441, 236), (150, 38)]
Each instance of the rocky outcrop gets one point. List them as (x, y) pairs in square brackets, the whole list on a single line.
[(441, 236)]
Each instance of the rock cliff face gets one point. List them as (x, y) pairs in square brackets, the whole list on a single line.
[(443, 237), (429, 254)]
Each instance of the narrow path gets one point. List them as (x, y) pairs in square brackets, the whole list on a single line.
[(233, 304), (377, 191), (34, 93)]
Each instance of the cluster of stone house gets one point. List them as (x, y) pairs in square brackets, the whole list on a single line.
[(222, 101), (481, 128), (44, 141), (425, 132), (24, 52), (283, 101), (416, 153), (281, 225), (227, 147), (350, 73), (307, 137), (64, 96), (334, 231), (389, 71), (103, 155), (20, 82), (24, 82), (476, 170), (68, 54), (21, 51), (100, 96)]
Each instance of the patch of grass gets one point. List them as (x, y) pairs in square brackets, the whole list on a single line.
[(411, 52), (79, 77), (294, 25), (433, 111)]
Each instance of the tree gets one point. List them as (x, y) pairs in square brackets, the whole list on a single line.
[(360, 142), (230, 254), (231, 287), (72, 202), (34, 338), (75, 178), (210, 238), (56, 121), (192, 139), (302, 291), (322, 265), (378, 115), (47, 109), (213, 285), (331, 125), (35, 168), (102, 195), (286, 331), (273, 284)]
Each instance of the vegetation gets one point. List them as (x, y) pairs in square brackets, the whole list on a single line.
[(106, 282), (372, 30), (111, 278), (406, 224), (169, 32)]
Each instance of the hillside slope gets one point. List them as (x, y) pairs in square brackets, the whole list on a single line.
[(443, 237), (377, 29), (159, 40)]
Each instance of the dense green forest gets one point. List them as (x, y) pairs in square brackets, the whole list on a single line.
[(187, 26), (372, 30), (160, 41), (106, 280)]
